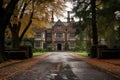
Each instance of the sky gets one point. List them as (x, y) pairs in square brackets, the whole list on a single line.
[(68, 8)]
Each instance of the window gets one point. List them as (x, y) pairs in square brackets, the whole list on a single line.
[(37, 44), (72, 44), (59, 35), (49, 34), (38, 35), (72, 35)]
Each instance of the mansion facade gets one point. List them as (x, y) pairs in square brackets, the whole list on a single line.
[(58, 37)]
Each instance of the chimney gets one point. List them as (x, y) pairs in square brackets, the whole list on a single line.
[(52, 19), (68, 18)]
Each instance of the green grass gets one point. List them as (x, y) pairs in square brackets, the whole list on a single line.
[(38, 53), (82, 53)]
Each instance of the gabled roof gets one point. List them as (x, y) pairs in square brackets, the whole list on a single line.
[(59, 22)]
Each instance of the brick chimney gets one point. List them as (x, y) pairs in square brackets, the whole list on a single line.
[(52, 19), (68, 18)]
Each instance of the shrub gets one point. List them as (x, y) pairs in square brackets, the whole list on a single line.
[(66, 46), (49, 49), (38, 50)]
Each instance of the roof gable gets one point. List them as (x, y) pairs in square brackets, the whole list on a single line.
[(59, 23)]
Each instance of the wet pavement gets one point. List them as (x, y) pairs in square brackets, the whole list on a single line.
[(61, 66)]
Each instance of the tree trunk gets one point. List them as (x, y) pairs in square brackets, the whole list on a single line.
[(1, 44), (1, 32), (94, 30), (94, 26), (5, 15), (25, 30), (15, 41), (15, 37)]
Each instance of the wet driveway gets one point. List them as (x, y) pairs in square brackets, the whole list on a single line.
[(61, 66)]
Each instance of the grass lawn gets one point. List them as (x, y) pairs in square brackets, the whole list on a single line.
[(82, 53), (38, 53)]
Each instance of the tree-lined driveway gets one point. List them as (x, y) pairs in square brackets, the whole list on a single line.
[(61, 66)]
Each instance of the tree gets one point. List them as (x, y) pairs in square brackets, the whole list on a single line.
[(86, 10), (102, 15), (106, 20), (15, 24), (6, 10), (94, 26)]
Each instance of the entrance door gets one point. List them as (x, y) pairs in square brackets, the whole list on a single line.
[(59, 47)]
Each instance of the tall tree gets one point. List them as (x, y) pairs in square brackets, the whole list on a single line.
[(106, 20), (83, 12), (94, 26), (86, 10), (15, 24), (6, 11)]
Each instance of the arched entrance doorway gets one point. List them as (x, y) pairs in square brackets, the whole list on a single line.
[(59, 47)]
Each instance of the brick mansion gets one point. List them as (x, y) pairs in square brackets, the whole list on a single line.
[(58, 37)]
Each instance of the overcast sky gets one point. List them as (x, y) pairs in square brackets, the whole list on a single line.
[(68, 8)]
